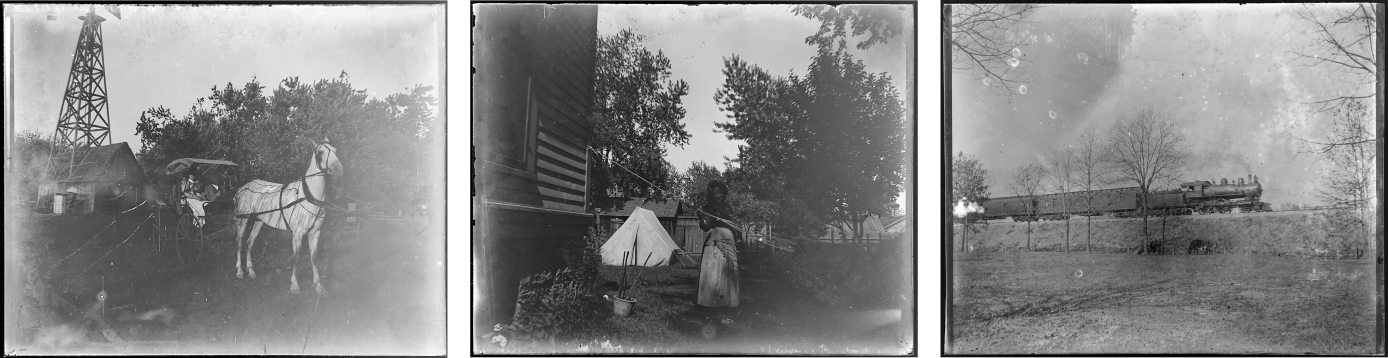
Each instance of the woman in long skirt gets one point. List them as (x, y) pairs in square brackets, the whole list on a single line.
[(718, 282)]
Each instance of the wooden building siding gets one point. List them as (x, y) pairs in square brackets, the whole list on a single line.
[(109, 180), (532, 94), (689, 235)]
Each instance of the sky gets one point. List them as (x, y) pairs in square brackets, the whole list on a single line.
[(1224, 71), (172, 55), (697, 38)]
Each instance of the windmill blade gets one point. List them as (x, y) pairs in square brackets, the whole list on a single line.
[(113, 10)]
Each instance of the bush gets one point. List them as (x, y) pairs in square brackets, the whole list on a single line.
[(586, 260), (845, 275), (554, 305)]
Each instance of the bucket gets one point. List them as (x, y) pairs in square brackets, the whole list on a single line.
[(622, 306)]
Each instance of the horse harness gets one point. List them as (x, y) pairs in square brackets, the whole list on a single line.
[(308, 196)]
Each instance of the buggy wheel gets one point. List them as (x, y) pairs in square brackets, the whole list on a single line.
[(188, 240)]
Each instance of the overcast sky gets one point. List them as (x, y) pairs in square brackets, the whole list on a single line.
[(172, 55), (697, 38), (1224, 70)]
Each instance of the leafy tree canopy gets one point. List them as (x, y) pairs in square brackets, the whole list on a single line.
[(384, 144), (637, 110), (832, 140)]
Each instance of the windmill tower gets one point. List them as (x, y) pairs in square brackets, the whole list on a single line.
[(83, 118)]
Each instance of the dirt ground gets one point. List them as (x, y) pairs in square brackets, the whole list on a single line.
[(1058, 303), (385, 289), (773, 318)]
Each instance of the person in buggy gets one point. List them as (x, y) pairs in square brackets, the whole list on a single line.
[(193, 194)]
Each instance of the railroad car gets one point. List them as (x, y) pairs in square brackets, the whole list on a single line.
[(1196, 197)]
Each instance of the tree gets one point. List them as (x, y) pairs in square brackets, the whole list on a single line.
[(1060, 175), (827, 146), (1091, 172), (384, 144), (834, 137), (29, 163), (970, 186), (880, 22), (1146, 148), (1344, 42), (1350, 181), (1026, 183), (982, 40), (637, 111), (1347, 38)]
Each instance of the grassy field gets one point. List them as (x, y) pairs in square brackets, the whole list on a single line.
[(1058, 303), (384, 290)]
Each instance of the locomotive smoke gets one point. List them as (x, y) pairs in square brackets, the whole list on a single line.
[(965, 207)]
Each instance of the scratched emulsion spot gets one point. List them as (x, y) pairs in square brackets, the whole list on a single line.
[(1022, 89), (1013, 62)]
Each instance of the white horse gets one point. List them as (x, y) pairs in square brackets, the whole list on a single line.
[(293, 206)]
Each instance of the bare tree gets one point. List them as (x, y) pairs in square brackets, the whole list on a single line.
[(1350, 181), (1344, 41), (1026, 183), (984, 39), (1347, 38), (1146, 148), (1060, 176), (1091, 172)]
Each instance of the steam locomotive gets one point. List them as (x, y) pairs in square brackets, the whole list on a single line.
[(1196, 197)]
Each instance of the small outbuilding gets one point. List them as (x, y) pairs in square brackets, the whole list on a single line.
[(108, 178)]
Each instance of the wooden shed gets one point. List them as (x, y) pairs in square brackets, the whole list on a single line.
[(533, 69), (108, 179)]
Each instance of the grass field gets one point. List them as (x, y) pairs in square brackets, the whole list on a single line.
[(1057, 303), (384, 290)]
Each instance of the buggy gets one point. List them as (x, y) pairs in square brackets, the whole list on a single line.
[(176, 225)]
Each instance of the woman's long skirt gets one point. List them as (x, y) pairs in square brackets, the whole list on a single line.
[(718, 282)]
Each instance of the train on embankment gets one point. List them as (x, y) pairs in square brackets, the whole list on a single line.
[(1196, 197)]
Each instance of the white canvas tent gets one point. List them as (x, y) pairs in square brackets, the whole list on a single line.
[(642, 234)]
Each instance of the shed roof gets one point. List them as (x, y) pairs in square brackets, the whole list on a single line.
[(902, 224), (662, 209), (97, 161)]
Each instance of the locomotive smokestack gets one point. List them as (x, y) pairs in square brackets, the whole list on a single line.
[(1223, 181), (1255, 179)]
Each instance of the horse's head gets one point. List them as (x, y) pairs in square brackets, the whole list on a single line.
[(326, 158)]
